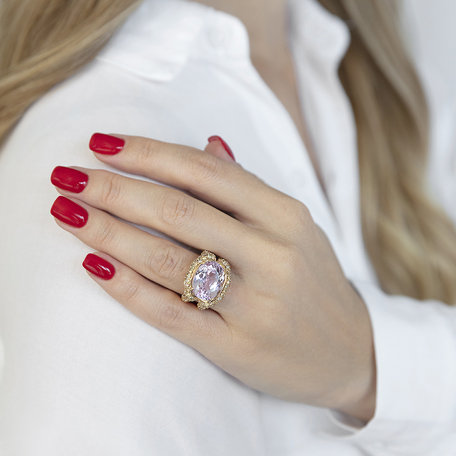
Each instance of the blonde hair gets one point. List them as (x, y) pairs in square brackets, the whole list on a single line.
[(43, 42), (410, 240)]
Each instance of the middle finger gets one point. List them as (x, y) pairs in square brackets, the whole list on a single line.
[(164, 209), (157, 259)]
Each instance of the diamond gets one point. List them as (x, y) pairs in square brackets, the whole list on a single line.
[(208, 280)]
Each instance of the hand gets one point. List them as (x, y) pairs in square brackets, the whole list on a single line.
[(290, 324)]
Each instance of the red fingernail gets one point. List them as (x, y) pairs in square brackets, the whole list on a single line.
[(69, 212), (224, 144), (106, 144), (69, 179), (99, 266)]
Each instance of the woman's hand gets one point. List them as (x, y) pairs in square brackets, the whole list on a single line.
[(290, 324)]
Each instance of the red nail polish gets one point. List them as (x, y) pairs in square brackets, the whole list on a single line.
[(99, 266), (224, 144), (106, 144), (69, 212), (69, 179)]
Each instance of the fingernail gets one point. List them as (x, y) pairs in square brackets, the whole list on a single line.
[(69, 212), (106, 144), (99, 266), (224, 144), (69, 179)]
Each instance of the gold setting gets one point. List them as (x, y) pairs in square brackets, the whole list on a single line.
[(188, 295)]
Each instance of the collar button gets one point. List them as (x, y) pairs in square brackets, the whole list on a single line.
[(218, 37)]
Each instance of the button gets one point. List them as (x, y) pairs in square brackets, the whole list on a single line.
[(227, 34), (218, 37)]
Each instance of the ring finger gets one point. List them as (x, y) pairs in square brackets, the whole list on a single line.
[(157, 259)]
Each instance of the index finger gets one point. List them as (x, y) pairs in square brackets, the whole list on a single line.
[(223, 184)]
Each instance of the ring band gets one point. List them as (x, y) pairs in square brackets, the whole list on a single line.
[(207, 280)]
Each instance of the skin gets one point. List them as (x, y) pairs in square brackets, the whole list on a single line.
[(266, 24), (290, 324)]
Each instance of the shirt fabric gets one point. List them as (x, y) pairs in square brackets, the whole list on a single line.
[(84, 376)]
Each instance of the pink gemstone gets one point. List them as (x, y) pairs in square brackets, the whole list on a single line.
[(208, 280)]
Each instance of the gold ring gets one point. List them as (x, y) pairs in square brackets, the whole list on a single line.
[(207, 280)]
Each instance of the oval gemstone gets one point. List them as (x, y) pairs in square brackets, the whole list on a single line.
[(208, 280)]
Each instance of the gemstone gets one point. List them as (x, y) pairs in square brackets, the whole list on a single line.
[(208, 280)]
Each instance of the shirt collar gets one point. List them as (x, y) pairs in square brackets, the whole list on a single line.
[(323, 35), (157, 39)]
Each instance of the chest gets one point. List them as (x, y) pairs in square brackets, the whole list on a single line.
[(281, 79)]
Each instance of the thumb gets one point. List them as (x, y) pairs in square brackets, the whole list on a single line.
[(218, 147)]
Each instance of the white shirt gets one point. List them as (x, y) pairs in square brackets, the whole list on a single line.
[(82, 375)]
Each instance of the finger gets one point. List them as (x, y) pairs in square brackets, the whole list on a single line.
[(221, 183), (157, 259), (216, 147), (158, 306), (168, 210)]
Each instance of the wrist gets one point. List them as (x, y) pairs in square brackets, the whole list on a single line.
[(362, 405), (358, 399)]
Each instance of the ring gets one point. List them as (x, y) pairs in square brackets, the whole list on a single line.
[(207, 280)]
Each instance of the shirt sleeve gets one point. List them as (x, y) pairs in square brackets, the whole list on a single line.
[(415, 349)]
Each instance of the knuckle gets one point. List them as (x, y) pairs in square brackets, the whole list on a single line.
[(206, 167), (144, 150), (177, 209), (295, 216), (130, 293), (111, 190), (163, 261), (104, 234), (169, 316), (300, 210)]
